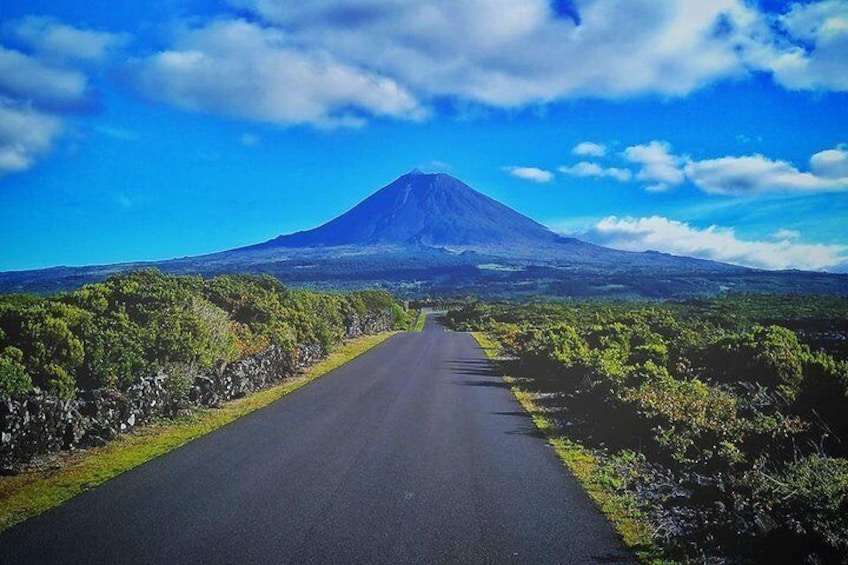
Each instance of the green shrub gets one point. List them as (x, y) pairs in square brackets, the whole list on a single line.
[(770, 356), (558, 345), (60, 382), (115, 352), (808, 498), (13, 375), (823, 397), (48, 334), (694, 422), (112, 333), (400, 318), (647, 345), (195, 334)]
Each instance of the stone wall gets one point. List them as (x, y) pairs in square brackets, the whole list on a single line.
[(37, 423), (356, 325)]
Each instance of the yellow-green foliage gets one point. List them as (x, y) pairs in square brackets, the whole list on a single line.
[(420, 321), (695, 421), (112, 333), (13, 375)]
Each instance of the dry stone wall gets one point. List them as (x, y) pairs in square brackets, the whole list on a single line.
[(36, 423)]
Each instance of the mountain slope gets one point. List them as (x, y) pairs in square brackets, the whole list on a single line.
[(420, 212), (426, 209)]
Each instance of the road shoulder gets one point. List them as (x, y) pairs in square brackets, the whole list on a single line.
[(68, 474), (635, 533)]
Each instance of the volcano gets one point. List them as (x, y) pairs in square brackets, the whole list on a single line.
[(423, 209), (431, 234), (437, 212)]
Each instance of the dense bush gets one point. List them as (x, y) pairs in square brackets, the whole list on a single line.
[(137, 323), (737, 399), (49, 336), (13, 375), (804, 505)]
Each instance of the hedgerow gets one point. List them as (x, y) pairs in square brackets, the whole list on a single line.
[(111, 334)]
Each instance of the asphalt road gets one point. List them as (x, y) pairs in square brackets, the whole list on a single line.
[(412, 453)]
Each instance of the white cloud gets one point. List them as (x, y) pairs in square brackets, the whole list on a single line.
[(51, 38), (830, 163), (587, 169), (28, 79), (812, 54), (589, 149), (25, 135), (241, 69), (755, 174), (530, 173), (39, 88), (504, 53), (661, 169), (658, 165), (715, 243), (785, 234)]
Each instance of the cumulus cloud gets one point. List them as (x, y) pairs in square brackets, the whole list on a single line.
[(26, 78), (589, 149), (755, 174), (715, 243), (530, 173), (659, 166), (242, 69), (811, 52), (33, 98), (43, 81), (831, 163), (588, 169), (507, 54), (25, 136), (51, 38)]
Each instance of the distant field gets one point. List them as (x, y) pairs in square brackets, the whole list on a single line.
[(417, 275)]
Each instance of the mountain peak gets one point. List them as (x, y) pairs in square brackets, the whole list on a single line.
[(432, 209)]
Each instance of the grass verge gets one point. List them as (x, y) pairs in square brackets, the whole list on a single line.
[(33, 492), (588, 470), (420, 321)]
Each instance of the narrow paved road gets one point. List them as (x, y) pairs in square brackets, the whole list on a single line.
[(412, 453)]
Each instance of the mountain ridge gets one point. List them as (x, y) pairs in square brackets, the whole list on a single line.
[(432, 234)]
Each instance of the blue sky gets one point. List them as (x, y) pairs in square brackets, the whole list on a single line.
[(133, 132)]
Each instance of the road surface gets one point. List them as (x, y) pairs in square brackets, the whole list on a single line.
[(415, 452)]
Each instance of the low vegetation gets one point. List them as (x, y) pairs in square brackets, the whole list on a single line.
[(598, 478), (718, 424), (111, 334), (420, 321)]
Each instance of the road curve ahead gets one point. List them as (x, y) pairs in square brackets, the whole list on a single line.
[(415, 452)]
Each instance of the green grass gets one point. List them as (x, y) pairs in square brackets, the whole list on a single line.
[(33, 492), (584, 465), (420, 321)]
